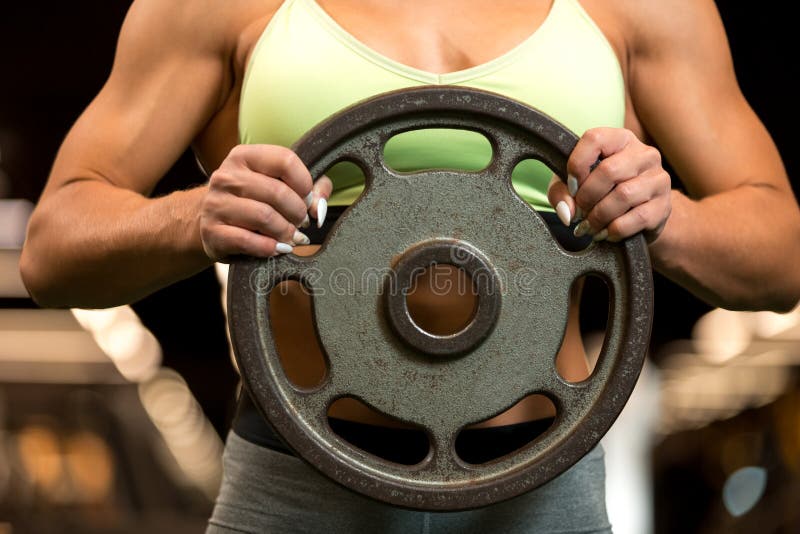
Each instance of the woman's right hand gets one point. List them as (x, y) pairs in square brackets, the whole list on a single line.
[(256, 201)]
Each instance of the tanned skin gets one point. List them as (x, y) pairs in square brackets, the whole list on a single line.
[(96, 239)]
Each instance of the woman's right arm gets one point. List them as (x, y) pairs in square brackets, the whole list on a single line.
[(95, 239)]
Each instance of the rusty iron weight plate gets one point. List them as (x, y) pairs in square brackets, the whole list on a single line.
[(375, 353)]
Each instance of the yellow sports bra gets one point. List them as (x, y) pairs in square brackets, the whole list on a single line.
[(305, 67)]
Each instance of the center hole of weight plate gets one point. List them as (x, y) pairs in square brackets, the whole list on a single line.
[(443, 298)]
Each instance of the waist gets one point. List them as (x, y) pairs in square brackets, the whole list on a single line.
[(401, 445)]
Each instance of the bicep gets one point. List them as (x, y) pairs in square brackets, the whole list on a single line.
[(685, 92), (162, 89)]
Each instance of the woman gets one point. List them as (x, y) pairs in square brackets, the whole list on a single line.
[(240, 81)]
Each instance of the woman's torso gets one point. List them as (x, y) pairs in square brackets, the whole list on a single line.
[(311, 59), (250, 18)]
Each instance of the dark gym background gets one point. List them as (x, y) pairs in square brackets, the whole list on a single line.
[(54, 57)]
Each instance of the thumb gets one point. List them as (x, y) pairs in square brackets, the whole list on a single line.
[(559, 197)]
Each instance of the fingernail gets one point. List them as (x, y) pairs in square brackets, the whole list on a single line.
[(309, 199), (283, 248), (300, 238), (599, 236), (582, 229), (306, 222), (578, 214), (322, 211), (562, 210), (572, 185)]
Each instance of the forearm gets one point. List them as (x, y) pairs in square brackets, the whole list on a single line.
[(738, 249), (111, 246)]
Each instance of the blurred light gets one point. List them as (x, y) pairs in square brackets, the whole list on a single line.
[(771, 324), (14, 215), (221, 270), (39, 454), (11, 285), (121, 335), (735, 360), (97, 320), (192, 442), (721, 334), (75, 469), (743, 489), (90, 465), (694, 394), (628, 456)]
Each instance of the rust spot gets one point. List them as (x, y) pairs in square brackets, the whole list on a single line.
[(515, 265)]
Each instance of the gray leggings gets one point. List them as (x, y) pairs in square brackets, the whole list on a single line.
[(264, 491)]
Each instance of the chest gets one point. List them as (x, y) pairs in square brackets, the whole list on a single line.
[(443, 36), (439, 37)]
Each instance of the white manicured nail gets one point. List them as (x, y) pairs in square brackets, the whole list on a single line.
[(562, 210), (599, 236), (572, 185), (309, 199), (306, 222), (300, 238), (283, 248), (582, 229), (322, 211)]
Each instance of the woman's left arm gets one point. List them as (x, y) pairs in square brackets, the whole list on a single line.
[(734, 241)]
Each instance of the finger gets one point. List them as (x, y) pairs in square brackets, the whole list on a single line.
[(271, 191), (606, 175), (276, 161), (323, 187), (646, 217), (222, 241), (258, 217), (560, 199), (623, 197), (318, 199), (594, 144)]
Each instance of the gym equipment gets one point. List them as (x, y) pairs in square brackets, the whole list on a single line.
[(401, 224)]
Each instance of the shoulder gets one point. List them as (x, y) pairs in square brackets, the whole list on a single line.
[(200, 27), (655, 27), (164, 40)]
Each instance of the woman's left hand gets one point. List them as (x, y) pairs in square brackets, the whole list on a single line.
[(617, 184)]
